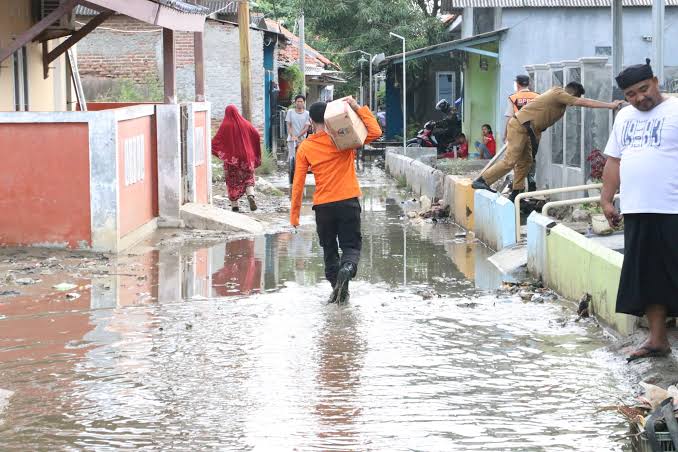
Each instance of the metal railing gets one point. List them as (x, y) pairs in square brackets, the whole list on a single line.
[(551, 191), (570, 202)]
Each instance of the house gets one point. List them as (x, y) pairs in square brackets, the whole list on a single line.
[(124, 53), (555, 41), (103, 177), (321, 73)]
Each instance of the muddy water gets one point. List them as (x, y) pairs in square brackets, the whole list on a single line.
[(232, 347)]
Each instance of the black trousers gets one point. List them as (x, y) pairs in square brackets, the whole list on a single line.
[(338, 225)]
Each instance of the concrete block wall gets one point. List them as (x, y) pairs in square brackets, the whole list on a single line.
[(424, 180), (573, 265), (452, 191), (464, 203), (494, 219)]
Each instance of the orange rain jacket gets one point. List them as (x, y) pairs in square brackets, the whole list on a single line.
[(334, 170)]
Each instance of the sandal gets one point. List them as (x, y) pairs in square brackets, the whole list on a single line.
[(649, 352), (253, 204)]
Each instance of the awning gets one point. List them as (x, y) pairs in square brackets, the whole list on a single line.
[(464, 45)]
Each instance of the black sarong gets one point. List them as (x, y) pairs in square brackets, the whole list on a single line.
[(650, 271)]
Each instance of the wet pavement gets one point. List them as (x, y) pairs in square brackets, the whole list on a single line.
[(232, 347)]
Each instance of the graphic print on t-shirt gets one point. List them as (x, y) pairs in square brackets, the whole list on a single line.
[(642, 133)]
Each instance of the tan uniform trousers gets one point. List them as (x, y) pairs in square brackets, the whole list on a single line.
[(518, 156)]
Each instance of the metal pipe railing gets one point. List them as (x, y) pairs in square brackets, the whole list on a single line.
[(570, 202), (551, 191)]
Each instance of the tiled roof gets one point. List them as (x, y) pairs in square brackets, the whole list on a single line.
[(450, 5), (203, 7), (289, 54)]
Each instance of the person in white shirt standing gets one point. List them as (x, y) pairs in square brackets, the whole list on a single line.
[(298, 122), (643, 160)]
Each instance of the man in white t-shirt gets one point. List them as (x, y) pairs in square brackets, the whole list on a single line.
[(298, 122), (643, 160)]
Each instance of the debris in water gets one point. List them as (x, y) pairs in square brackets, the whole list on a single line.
[(525, 295), (460, 234), (468, 305), (72, 296), (27, 281), (63, 287), (189, 326), (9, 293)]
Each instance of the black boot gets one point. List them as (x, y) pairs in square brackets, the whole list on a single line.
[(531, 183), (340, 293), (514, 193), (480, 184)]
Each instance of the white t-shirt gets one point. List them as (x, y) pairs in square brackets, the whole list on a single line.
[(647, 144), (298, 121)]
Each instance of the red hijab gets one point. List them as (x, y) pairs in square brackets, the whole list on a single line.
[(237, 142)]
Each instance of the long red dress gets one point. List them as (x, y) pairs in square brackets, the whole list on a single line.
[(238, 145)]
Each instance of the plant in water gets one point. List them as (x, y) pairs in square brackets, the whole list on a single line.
[(401, 181)]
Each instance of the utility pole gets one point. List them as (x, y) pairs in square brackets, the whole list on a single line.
[(658, 39), (245, 72), (302, 53)]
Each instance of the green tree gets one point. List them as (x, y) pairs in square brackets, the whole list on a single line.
[(340, 26)]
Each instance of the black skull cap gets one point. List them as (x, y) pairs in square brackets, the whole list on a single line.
[(634, 74)]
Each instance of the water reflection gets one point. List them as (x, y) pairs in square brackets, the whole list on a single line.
[(232, 347)]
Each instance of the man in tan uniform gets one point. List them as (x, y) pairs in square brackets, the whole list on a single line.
[(525, 129)]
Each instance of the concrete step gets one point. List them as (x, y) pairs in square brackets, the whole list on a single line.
[(209, 217), (510, 259)]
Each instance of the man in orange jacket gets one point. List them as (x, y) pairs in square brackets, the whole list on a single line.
[(335, 202)]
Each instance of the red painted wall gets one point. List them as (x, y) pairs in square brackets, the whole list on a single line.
[(44, 184), (139, 200), (201, 170)]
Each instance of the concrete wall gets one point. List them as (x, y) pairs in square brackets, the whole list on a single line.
[(127, 49), (573, 265), (138, 192), (452, 191), (87, 179), (494, 219), (423, 179), (542, 35), (44, 184)]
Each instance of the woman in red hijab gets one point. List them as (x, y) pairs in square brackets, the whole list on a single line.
[(238, 145)]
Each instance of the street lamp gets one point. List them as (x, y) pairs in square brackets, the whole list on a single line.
[(361, 61), (362, 88), (404, 92)]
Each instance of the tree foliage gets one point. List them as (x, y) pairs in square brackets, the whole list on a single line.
[(336, 27)]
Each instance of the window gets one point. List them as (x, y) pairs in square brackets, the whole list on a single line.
[(557, 128), (573, 119), (445, 87), (20, 72)]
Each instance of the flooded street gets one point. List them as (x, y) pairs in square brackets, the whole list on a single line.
[(232, 347)]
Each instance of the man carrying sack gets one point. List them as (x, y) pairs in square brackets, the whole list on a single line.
[(525, 129), (335, 201), (643, 159)]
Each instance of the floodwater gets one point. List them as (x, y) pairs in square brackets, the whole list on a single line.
[(233, 347)]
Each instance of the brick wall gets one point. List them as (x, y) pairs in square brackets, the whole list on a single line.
[(124, 48)]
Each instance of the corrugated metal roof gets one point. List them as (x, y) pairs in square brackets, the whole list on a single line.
[(450, 5), (204, 7)]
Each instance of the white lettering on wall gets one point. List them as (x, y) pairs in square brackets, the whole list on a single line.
[(135, 161)]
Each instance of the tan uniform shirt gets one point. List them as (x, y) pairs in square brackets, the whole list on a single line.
[(547, 109)]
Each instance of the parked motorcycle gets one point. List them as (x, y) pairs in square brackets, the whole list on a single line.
[(439, 134)]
